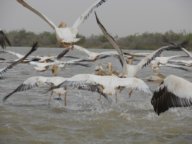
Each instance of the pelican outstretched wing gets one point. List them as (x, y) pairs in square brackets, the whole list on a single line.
[(18, 55), (134, 84), (146, 60), (113, 43), (62, 54), (36, 81), (4, 70), (26, 85), (86, 14), (174, 91), (25, 4), (83, 85), (176, 67)]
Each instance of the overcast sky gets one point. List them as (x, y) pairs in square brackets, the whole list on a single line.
[(120, 17)]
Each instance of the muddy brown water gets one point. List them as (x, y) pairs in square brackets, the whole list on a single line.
[(26, 117)]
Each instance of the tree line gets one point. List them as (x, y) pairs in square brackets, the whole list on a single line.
[(143, 41)]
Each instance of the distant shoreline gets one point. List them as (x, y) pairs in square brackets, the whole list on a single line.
[(144, 41)]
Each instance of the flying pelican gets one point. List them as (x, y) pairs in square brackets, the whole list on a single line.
[(56, 65), (65, 35), (166, 59), (187, 63), (93, 56), (110, 85), (39, 81), (157, 76), (174, 91), (41, 59), (130, 70), (163, 61), (5, 69), (4, 39)]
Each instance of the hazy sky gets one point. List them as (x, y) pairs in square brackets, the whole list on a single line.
[(120, 17)]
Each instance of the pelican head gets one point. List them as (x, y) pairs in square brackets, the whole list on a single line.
[(55, 69), (110, 68), (62, 25), (129, 59), (99, 70)]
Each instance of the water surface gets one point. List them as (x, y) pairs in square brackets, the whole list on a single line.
[(27, 118)]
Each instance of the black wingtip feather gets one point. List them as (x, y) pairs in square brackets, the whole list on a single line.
[(162, 100), (62, 54)]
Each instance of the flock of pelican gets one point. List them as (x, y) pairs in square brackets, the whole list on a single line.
[(173, 91)]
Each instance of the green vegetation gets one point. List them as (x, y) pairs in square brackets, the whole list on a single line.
[(136, 41)]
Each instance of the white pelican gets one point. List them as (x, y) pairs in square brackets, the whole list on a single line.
[(65, 35), (165, 62), (99, 70), (38, 81), (37, 58), (4, 39), (157, 76), (56, 64), (93, 56), (137, 54), (187, 63), (5, 69), (109, 85), (166, 59), (187, 52), (159, 62), (174, 91), (130, 70)]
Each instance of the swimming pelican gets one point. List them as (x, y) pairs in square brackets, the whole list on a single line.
[(174, 91), (130, 70), (4, 39), (65, 35), (99, 70), (5, 69)]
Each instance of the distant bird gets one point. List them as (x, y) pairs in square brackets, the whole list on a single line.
[(65, 35), (130, 70), (4, 40), (5, 69), (174, 91)]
